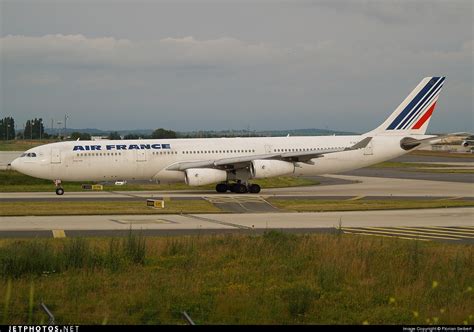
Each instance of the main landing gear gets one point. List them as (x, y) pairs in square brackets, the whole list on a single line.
[(59, 188), (238, 187)]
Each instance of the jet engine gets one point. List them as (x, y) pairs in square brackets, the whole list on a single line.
[(261, 169), (203, 176)]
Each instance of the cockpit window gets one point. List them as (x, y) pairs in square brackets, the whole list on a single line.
[(30, 154)]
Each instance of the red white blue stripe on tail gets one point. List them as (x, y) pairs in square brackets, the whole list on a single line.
[(412, 116), (419, 107)]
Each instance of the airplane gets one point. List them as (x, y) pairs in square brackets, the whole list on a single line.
[(235, 163), (469, 141)]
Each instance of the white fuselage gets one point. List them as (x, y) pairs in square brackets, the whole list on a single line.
[(149, 159)]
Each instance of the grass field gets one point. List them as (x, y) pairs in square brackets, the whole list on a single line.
[(102, 208), (306, 205), (447, 171), (12, 181), (441, 154), (423, 167), (271, 279), (53, 208), (393, 164), (22, 145)]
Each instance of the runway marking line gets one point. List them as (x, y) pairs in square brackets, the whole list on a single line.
[(267, 202), (58, 233), (394, 233), (428, 230), (450, 198), (441, 230), (392, 236), (240, 200), (356, 198), (214, 221), (143, 221)]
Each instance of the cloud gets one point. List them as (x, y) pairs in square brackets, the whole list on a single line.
[(226, 79), (78, 50), (403, 12)]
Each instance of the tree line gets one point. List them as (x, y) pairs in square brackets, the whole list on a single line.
[(34, 129), (157, 134)]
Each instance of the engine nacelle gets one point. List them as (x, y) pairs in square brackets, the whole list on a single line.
[(261, 169), (203, 176), (466, 143)]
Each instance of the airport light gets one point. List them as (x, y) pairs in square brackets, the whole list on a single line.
[(7, 125), (59, 123), (65, 124)]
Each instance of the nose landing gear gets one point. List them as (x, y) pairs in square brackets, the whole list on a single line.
[(59, 188)]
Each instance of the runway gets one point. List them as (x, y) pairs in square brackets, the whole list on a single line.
[(353, 186), (252, 214), (453, 224)]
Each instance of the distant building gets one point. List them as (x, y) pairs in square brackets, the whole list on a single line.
[(99, 138)]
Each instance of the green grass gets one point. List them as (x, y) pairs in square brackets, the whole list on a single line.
[(393, 164), (441, 154), (271, 279), (447, 171), (306, 205), (423, 167), (22, 145), (53, 208), (12, 181), (64, 208)]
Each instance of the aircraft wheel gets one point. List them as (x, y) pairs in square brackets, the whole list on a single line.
[(59, 191), (254, 188), (240, 188), (222, 187)]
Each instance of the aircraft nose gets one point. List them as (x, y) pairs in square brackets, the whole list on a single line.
[(14, 164)]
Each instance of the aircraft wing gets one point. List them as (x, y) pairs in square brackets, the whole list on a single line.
[(241, 162)]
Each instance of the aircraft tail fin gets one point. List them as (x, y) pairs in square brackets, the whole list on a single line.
[(412, 116)]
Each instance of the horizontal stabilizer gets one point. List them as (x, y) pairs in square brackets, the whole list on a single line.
[(409, 143), (361, 145)]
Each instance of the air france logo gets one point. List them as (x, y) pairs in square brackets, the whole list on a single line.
[(121, 147)]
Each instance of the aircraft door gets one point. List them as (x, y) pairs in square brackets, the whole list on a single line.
[(268, 149), (368, 150), (141, 155), (55, 156)]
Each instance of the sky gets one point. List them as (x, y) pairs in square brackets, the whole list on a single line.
[(216, 65)]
